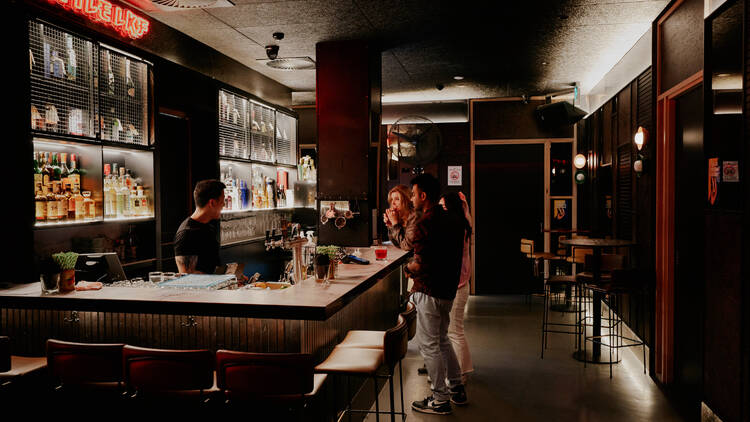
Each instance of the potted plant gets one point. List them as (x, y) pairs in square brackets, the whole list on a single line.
[(334, 256), (67, 263)]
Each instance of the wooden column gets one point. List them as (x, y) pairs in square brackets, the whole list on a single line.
[(348, 93)]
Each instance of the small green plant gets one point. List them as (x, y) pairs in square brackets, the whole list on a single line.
[(332, 251), (65, 260)]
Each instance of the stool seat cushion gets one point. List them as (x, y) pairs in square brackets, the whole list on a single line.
[(545, 255), (364, 339), (21, 366), (349, 360)]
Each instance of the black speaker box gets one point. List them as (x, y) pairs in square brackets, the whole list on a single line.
[(559, 114)]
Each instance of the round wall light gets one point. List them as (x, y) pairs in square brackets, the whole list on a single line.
[(579, 161), (640, 138)]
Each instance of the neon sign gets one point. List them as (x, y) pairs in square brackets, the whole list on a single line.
[(122, 20)]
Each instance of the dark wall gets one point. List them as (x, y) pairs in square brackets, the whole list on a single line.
[(608, 133), (682, 44), (308, 125), (518, 121)]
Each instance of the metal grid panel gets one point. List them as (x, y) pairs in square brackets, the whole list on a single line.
[(286, 139), (123, 98), (234, 112), (261, 135), (62, 95)]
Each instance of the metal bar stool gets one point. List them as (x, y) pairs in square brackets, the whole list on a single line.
[(353, 359)]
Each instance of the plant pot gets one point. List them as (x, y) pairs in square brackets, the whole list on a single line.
[(67, 280)]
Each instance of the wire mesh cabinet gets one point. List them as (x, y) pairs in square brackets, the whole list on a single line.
[(123, 97), (263, 122), (286, 139), (62, 81), (234, 130)]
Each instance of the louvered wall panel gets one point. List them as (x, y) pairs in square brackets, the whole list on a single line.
[(645, 101), (624, 192)]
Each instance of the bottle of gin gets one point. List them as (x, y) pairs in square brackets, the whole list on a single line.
[(130, 86)]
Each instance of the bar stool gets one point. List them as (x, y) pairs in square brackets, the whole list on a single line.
[(619, 282), (86, 367), (353, 360), (287, 378), (19, 375), (185, 375)]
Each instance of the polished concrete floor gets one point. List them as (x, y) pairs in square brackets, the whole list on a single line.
[(512, 383)]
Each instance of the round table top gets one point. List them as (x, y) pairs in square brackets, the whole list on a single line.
[(597, 243)]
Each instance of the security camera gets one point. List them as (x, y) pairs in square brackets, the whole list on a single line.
[(439, 87), (272, 51)]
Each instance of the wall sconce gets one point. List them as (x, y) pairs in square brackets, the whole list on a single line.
[(640, 139), (580, 162)]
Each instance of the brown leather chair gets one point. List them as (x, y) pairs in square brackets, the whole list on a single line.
[(85, 365), (181, 374), (283, 378), (372, 362), (410, 316)]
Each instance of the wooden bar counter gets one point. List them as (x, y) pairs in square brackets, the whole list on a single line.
[(307, 317)]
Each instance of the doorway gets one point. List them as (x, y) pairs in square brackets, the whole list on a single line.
[(509, 205)]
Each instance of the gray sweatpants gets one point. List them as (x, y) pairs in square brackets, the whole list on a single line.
[(433, 318)]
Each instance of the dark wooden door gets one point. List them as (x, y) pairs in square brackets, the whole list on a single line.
[(174, 181), (509, 201), (690, 198)]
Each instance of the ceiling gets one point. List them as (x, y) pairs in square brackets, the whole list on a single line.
[(532, 47)]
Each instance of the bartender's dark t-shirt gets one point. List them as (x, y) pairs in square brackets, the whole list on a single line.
[(201, 240)]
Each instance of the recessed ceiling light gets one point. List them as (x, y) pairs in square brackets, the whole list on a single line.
[(458, 78), (723, 75)]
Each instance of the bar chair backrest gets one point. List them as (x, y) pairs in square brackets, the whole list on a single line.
[(396, 343), (167, 370), (527, 247), (72, 363), (264, 373), (581, 254), (410, 315)]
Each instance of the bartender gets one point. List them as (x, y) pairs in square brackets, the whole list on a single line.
[(196, 244)]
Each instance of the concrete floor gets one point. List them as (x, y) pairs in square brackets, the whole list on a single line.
[(511, 382)]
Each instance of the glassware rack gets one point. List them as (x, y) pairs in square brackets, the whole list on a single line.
[(89, 119)]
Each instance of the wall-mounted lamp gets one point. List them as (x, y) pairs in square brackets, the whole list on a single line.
[(580, 162), (640, 139)]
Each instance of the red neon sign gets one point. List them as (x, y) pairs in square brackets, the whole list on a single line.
[(122, 20)]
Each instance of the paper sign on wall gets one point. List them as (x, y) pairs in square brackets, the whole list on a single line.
[(730, 172), (714, 174), (454, 176)]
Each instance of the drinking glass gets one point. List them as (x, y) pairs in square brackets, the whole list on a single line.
[(321, 273), (50, 283), (381, 253), (155, 277)]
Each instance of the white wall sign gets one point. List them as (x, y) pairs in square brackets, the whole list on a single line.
[(454, 176)]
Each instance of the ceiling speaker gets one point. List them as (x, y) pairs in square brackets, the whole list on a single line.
[(559, 114)]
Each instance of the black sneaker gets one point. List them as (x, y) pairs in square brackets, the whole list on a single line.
[(458, 395), (432, 406), (422, 370)]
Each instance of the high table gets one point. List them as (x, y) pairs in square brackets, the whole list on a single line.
[(596, 245)]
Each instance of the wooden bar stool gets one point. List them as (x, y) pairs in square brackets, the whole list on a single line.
[(371, 362), (279, 378), (86, 367), (184, 375)]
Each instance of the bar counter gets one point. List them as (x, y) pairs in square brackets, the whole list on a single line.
[(306, 317)]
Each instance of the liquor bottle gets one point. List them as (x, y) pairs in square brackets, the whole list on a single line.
[(40, 200), (75, 173), (130, 86), (72, 68), (89, 208), (46, 48), (51, 204), (228, 202), (62, 201), (135, 203), (110, 74), (143, 201), (80, 213), (56, 167), (47, 171), (110, 196), (116, 129), (71, 206), (270, 196), (38, 178), (64, 172), (57, 66)]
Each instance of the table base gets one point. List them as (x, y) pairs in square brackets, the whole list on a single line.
[(590, 358)]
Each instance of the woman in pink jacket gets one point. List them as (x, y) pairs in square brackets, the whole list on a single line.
[(456, 202)]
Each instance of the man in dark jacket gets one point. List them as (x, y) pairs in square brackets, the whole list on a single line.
[(437, 240)]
